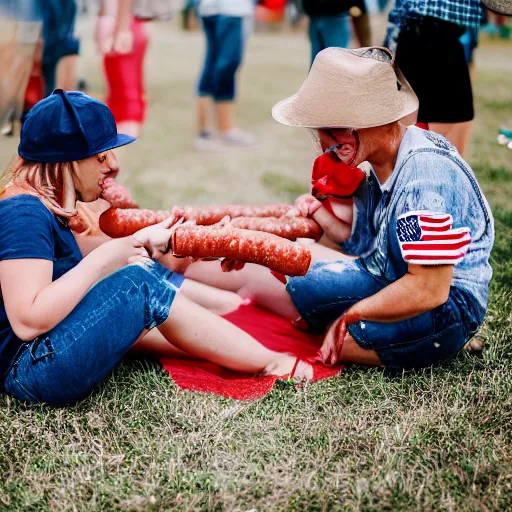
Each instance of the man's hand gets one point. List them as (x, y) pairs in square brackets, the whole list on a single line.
[(305, 206), (335, 229), (173, 263), (227, 265), (332, 347)]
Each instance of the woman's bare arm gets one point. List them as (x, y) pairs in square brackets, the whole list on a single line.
[(88, 243), (34, 304)]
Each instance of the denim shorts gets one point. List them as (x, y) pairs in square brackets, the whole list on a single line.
[(64, 365), (224, 52), (330, 288)]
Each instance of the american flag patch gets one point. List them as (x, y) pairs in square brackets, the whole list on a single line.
[(426, 238)]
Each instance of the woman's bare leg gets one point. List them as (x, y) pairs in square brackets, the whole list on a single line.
[(218, 301), (257, 282), (199, 332), (252, 282), (153, 344)]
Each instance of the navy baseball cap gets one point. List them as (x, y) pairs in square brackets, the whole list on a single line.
[(68, 126)]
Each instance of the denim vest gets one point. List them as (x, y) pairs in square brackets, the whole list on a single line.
[(430, 175)]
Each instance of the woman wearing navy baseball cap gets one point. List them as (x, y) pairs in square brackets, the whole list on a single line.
[(68, 313)]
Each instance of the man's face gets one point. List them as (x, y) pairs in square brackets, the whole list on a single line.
[(346, 140)]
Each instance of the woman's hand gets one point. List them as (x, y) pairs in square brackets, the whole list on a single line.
[(117, 253), (156, 238)]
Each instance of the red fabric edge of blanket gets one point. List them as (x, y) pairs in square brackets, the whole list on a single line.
[(270, 330)]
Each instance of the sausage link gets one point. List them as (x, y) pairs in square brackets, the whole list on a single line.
[(118, 196), (276, 253), (285, 227), (211, 214), (117, 222)]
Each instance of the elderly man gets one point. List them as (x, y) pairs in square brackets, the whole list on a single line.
[(418, 224)]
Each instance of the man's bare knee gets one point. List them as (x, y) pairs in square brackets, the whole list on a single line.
[(354, 353)]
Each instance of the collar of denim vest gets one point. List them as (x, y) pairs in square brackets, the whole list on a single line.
[(414, 139)]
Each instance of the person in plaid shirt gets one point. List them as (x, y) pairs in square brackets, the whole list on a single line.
[(428, 32)]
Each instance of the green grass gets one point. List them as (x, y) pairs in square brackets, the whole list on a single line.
[(432, 440)]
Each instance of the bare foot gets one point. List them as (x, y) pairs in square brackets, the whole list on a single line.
[(283, 364)]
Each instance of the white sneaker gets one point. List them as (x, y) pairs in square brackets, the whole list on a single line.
[(237, 138), (206, 141)]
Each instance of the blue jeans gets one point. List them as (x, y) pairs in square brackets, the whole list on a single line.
[(224, 51), (65, 364), (330, 288), (327, 31), (58, 34)]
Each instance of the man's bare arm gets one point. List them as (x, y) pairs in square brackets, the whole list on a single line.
[(423, 288)]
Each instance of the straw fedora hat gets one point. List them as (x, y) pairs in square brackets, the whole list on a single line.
[(499, 6), (346, 88)]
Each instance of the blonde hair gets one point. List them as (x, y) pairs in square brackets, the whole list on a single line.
[(44, 180)]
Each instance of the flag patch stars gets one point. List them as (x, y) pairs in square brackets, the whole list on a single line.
[(427, 238)]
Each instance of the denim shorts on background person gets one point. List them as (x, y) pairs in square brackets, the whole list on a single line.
[(330, 288), (224, 51), (327, 31), (64, 365)]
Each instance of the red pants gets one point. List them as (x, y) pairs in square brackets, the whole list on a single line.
[(126, 96)]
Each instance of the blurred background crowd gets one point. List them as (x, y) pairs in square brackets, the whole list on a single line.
[(40, 43)]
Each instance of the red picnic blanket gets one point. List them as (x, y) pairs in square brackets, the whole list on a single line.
[(270, 330)]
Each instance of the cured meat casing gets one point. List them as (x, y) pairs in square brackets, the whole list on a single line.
[(124, 222), (257, 247), (285, 227), (207, 215), (118, 196), (117, 222)]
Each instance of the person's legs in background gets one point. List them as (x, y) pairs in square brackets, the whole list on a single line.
[(60, 46), (431, 56), (315, 38), (336, 31), (361, 23), (124, 75), (206, 86), (225, 46), (328, 31)]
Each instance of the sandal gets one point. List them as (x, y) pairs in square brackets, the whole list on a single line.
[(291, 380)]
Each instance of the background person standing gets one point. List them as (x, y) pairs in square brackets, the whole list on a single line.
[(429, 52), (329, 24), (222, 22)]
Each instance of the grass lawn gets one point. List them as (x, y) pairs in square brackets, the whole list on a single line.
[(435, 440)]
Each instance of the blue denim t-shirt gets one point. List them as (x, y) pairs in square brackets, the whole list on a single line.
[(429, 175), (30, 230)]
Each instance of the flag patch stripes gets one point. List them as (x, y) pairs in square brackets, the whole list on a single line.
[(427, 238)]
